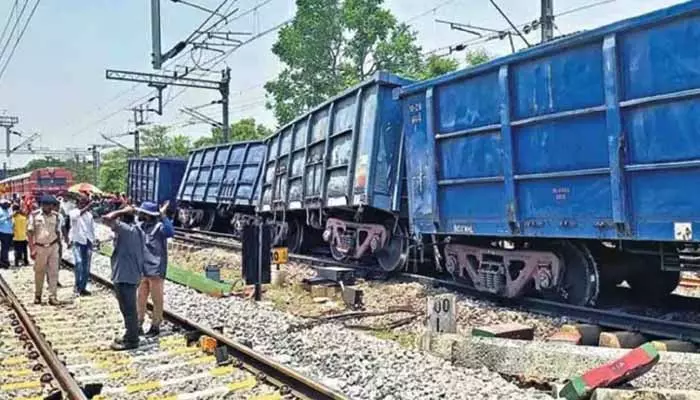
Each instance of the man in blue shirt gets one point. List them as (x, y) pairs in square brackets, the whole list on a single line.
[(127, 270), (157, 228), (5, 232)]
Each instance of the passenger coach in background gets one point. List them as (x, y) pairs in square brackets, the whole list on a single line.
[(565, 167), (51, 181)]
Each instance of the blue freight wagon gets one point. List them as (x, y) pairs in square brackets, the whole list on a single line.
[(220, 186), (154, 179), (337, 169), (567, 166)]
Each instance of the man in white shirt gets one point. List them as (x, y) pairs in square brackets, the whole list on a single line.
[(82, 238)]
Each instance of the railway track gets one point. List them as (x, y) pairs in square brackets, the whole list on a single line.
[(172, 366), (28, 369), (230, 242), (607, 318)]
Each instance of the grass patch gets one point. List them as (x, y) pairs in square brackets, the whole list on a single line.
[(404, 339), (106, 250), (292, 299)]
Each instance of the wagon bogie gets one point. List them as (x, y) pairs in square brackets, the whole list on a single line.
[(337, 172), (580, 141)]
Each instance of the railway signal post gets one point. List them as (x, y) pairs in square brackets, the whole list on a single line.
[(256, 255)]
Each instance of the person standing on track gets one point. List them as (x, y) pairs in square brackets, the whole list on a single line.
[(81, 238), (44, 236), (19, 237), (5, 233), (157, 229), (127, 269)]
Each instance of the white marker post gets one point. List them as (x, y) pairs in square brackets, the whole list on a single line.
[(442, 314)]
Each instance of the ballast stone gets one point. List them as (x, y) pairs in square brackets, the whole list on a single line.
[(357, 364)]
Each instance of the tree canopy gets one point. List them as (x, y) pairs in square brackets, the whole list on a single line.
[(334, 44), (476, 57), (244, 129)]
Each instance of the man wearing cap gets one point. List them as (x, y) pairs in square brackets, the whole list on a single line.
[(127, 270), (6, 232), (43, 236), (157, 229)]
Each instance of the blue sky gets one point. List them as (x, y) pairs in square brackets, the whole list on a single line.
[(55, 82)]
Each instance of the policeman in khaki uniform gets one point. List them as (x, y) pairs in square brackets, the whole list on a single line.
[(43, 233)]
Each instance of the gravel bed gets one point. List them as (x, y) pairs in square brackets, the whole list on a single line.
[(15, 366), (378, 296), (359, 365), (82, 329)]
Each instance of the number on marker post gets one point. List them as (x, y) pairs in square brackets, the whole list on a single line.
[(442, 315), (279, 255)]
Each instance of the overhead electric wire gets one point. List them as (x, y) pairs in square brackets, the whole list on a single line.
[(9, 20), (276, 27), (198, 31), (19, 38), (428, 11), (135, 86), (472, 42), (12, 31), (584, 7), (216, 60)]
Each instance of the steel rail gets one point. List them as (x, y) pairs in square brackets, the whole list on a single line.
[(58, 369), (274, 372), (180, 234), (650, 326), (654, 327)]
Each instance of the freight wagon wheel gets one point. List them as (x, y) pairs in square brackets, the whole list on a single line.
[(207, 222), (579, 284), (648, 280), (337, 254), (612, 265), (394, 255), (295, 235)]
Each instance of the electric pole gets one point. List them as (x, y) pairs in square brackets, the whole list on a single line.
[(547, 20), (156, 55), (224, 89), (156, 80), (138, 121), (8, 122), (96, 161)]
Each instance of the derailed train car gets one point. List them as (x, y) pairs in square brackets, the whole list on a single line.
[(336, 172), (565, 167), (154, 179), (220, 186)]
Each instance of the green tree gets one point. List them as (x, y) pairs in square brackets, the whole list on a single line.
[(113, 171), (476, 57), (244, 129), (333, 44), (436, 66), (156, 142)]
